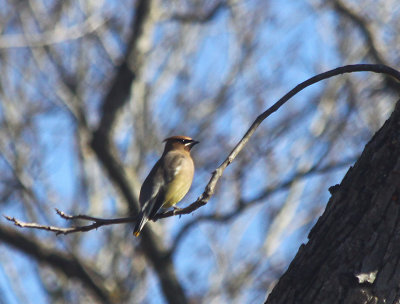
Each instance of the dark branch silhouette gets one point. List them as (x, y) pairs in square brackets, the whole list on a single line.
[(210, 188), (97, 222)]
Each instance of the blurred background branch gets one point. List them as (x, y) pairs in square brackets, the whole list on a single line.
[(83, 114)]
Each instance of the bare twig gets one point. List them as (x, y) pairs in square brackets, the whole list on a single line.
[(97, 222), (210, 188)]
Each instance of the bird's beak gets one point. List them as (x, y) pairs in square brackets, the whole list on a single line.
[(191, 144)]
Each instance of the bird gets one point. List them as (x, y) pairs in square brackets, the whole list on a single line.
[(168, 181)]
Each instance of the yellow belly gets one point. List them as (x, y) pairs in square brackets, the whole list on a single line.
[(176, 190)]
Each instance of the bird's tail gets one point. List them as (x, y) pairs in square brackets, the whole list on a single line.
[(142, 220)]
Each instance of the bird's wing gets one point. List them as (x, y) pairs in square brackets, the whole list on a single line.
[(171, 166), (151, 188)]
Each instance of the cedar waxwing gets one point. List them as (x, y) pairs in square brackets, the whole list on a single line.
[(168, 181)]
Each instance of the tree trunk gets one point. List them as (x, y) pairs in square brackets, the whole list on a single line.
[(353, 252)]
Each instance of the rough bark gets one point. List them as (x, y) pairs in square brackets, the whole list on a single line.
[(353, 252)]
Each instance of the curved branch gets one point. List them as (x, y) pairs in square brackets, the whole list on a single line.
[(210, 188)]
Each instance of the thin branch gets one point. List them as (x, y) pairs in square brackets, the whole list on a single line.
[(210, 188), (97, 222)]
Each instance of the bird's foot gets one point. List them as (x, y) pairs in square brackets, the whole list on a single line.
[(176, 209)]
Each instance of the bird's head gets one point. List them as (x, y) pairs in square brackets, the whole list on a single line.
[(179, 142)]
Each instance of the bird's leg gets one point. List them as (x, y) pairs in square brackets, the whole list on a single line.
[(176, 209)]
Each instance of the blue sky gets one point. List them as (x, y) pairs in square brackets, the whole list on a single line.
[(290, 47)]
